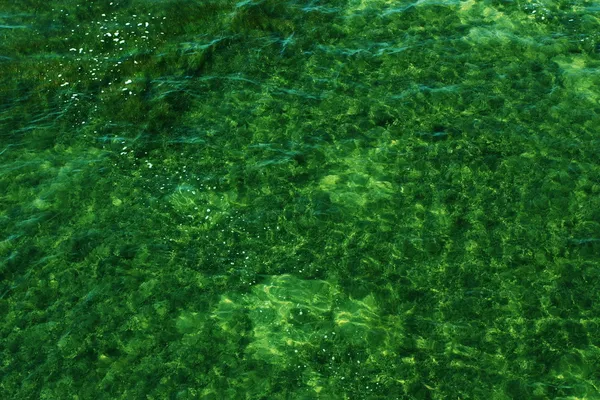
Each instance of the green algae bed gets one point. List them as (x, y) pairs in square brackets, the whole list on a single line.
[(266, 199)]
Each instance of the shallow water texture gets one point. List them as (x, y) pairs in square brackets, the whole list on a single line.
[(299, 200)]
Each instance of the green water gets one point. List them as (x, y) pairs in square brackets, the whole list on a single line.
[(299, 200)]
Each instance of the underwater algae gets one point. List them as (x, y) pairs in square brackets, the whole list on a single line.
[(288, 200)]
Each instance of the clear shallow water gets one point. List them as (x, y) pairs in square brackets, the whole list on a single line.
[(354, 200)]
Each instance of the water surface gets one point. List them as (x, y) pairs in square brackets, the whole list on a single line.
[(299, 199)]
